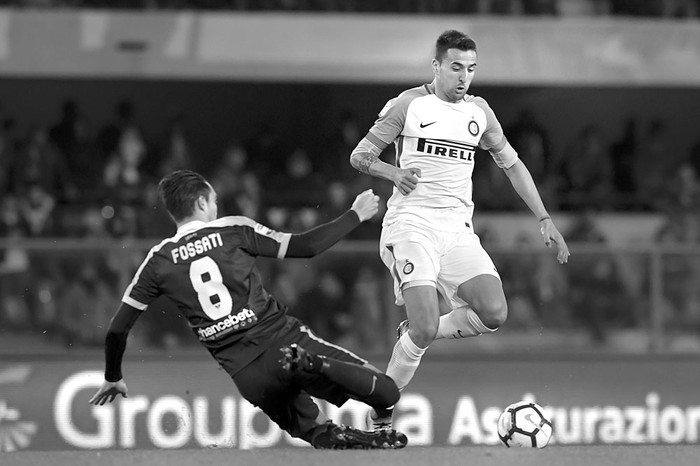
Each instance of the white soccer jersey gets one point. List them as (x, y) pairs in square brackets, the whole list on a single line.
[(439, 138)]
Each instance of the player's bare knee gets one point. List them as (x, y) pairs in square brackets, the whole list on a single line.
[(493, 314), (423, 335)]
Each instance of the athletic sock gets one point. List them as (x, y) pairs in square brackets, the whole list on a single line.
[(461, 322), (404, 361), (370, 387)]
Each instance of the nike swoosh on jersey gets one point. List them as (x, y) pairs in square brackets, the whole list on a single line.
[(423, 125)]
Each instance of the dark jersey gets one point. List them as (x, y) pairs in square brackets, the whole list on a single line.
[(208, 270)]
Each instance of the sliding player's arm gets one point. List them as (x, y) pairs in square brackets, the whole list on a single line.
[(265, 242), (322, 237), (115, 344)]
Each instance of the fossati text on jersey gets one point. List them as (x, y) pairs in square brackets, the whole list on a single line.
[(196, 247)]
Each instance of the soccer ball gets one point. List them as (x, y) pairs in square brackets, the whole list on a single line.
[(523, 424)]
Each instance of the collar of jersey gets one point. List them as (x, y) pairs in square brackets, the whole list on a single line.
[(190, 226)]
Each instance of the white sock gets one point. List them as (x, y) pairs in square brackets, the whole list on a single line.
[(461, 322), (404, 361)]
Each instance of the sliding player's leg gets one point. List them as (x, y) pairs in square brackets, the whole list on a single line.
[(332, 373), (357, 379)]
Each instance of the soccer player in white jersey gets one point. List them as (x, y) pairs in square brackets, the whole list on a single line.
[(428, 241)]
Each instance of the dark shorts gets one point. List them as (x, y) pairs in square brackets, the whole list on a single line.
[(286, 397)]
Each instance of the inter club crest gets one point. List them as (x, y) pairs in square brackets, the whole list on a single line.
[(473, 128), (408, 268)]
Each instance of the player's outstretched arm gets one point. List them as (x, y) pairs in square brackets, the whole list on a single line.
[(522, 182), (115, 344), (318, 239)]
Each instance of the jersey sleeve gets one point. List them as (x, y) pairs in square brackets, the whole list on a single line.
[(143, 288), (390, 122), (493, 138), (266, 242)]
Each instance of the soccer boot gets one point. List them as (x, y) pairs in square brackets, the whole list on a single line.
[(340, 437), (378, 420), (295, 358), (402, 328)]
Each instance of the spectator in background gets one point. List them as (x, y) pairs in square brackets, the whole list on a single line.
[(341, 142), (36, 207), (266, 150), (681, 272), (532, 140), (87, 303), (124, 222), (520, 273), (653, 164), (595, 295), (64, 133), (15, 268), (327, 293), (694, 157), (73, 137), (152, 220), (175, 153), (238, 187), (488, 179), (93, 223), (110, 136), (367, 311), (337, 195), (40, 163), (681, 191), (623, 153), (7, 153), (124, 179), (298, 185), (587, 171)]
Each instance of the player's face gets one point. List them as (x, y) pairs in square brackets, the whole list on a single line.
[(454, 74)]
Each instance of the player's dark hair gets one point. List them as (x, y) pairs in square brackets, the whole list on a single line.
[(180, 190), (453, 40)]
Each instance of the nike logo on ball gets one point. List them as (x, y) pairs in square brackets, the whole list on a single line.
[(423, 125)]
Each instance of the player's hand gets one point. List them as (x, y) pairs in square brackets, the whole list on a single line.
[(109, 391), (406, 179), (550, 234), (366, 205)]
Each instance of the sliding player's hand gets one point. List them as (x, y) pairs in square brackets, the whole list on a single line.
[(406, 179), (366, 205), (550, 234), (109, 391)]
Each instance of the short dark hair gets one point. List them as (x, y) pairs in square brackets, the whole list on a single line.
[(453, 40), (180, 190)]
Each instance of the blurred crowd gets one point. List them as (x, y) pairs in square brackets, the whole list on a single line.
[(76, 179), (644, 8)]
